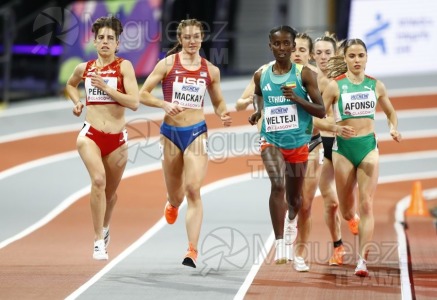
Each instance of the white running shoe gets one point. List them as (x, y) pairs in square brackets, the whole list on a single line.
[(290, 230), (299, 264), (280, 257), (106, 236), (100, 250), (289, 252), (361, 269)]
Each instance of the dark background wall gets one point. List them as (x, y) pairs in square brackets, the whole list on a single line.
[(235, 41)]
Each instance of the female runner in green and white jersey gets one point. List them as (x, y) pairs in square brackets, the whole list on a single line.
[(354, 96)]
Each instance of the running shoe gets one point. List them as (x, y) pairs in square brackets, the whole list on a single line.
[(361, 269), (191, 257), (289, 252), (337, 258), (106, 236), (170, 213), (300, 265), (280, 256), (100, 250), (290, 230), (353, 224)]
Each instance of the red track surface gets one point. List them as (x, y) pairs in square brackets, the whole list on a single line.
[(54, 261)]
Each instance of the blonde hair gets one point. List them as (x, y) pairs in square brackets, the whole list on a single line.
[(328, 37), (184, 23), (340, 47), (305, 36), (336, 66)]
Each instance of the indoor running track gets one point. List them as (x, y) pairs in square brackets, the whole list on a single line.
[(46, 233)]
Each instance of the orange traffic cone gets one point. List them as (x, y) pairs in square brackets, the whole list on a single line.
[(418, 205)]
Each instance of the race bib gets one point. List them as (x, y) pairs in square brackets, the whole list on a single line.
[(188, 95), (282, 117), (97, 95), (359, 103)]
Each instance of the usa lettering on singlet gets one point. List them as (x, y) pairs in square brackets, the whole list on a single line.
[(283, 117), (359, 103), (188, 92)]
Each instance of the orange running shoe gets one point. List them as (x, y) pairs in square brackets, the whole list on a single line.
[(353, 224), (170, 213), (190, 257), (337, 258)]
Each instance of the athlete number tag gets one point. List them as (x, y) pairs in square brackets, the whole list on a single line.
[(97, 95), (359, 103), (188, 95), (282, 117)]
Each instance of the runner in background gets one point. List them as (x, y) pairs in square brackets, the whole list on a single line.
[(325, 49)]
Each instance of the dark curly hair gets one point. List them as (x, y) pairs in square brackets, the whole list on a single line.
[(110, 22)]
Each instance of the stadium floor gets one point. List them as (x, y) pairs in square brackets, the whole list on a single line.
[(46, 236)]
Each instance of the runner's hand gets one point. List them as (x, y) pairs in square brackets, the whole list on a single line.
[(345, 131), (396, 135), (253, 119), (226, 119), (77, 110), (172, 109)]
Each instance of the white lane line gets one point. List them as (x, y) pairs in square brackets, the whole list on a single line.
[(131, 119), (222, 183), (410, 92), (152, 231), (71, 154), (67, 155), (239, 129), (409, 135), (152, 139), (408, 156), (59, 103), (47, 218), (405, 156), (411, 113), (69, 201), (209, 110), (32, 108), (383, 136), (401, 207), (236, 130), (255, 267), (254, 270), (208, 188), (407, 177), (39, 132), (37, 163), (403, 260), (71, 128)]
